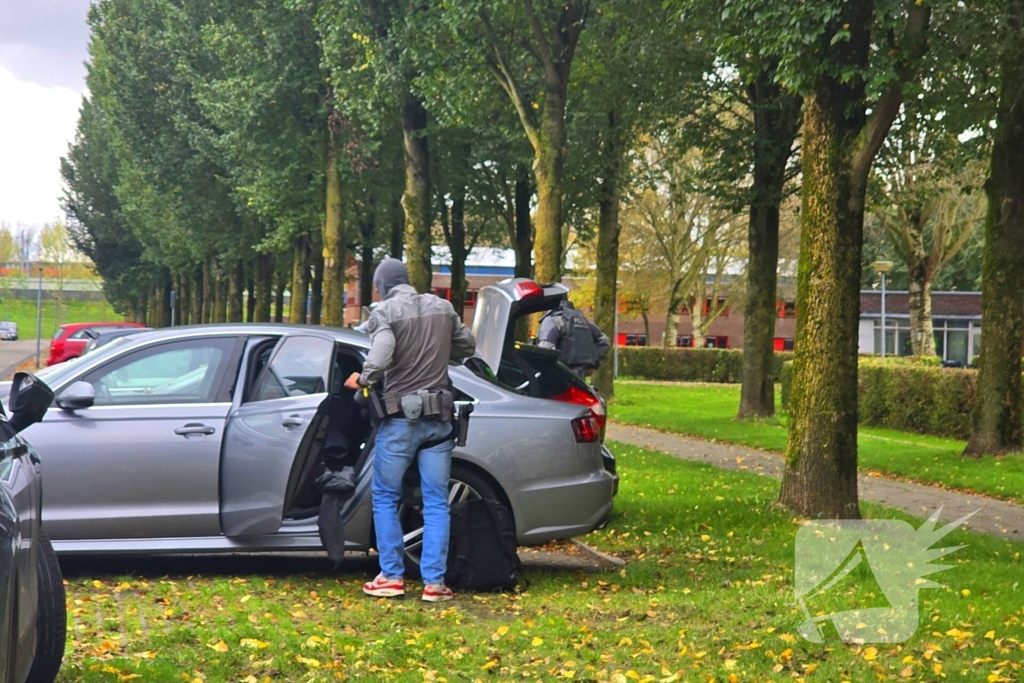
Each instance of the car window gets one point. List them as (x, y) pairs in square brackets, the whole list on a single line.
[(58, 333), (180, 372), (300, 367), (84, 333)]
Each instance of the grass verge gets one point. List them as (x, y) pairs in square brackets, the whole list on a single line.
[(705, 596), (23, 312), (709, 412)]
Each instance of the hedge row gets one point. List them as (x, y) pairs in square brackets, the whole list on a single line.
[(688, 365), (913, 398)]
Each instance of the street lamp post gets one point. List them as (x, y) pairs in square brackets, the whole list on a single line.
[(39, 319), (883, 267)]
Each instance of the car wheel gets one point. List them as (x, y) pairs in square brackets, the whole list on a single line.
[(463, 484), (52, 619)]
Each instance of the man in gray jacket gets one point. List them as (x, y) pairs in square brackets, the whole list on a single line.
[(413, 337)]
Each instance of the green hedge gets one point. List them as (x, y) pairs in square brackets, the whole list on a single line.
[(910, 397), (688, 365)]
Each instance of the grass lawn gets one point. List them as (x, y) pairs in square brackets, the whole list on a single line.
[(709, 412), (706, 595), (23, 312)]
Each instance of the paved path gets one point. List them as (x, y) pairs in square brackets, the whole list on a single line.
[(14, 352), (995, 516)]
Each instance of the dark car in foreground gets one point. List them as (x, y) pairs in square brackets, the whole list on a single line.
[(211, 438), (32, 607)]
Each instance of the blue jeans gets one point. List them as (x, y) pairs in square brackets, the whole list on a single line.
[(397, 442)]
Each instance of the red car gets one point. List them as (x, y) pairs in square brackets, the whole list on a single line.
[(70, 340)]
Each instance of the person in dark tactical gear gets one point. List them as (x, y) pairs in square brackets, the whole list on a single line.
[(581, 344)]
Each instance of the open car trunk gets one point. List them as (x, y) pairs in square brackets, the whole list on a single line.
[(516, 363)]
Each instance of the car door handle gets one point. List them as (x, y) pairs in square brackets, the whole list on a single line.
[(194, 428), (292, 421)]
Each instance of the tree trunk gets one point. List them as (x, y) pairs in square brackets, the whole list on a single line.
[(549, 160), (220, 302), (333, 257), (608, 229), (184, 298), (776, 121), (675, 304), (279, 287), (316, 287), (523, 238), (922, 335), (647, 326), (366, 266), (820, 476), (997, 408), (236, 292), (250, 301), (397, 234), (300, 282), (416, 199), (457, 248), (698, 322), (209, 289), (196, 315), (263, 288)]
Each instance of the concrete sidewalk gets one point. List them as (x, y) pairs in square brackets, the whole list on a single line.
[(996, 517)]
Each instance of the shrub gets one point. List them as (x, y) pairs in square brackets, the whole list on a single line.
[(913, 397), (688, 365), (922, 399)]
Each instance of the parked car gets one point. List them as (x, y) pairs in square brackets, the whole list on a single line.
[(210, 438), (8, 330), (101, 336), (69, 341), (32, 609)]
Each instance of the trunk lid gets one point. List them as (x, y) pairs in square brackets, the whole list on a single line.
[(498, 308)]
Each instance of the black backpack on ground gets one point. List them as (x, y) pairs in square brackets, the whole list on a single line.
[(482, 547)]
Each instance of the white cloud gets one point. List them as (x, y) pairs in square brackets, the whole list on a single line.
[(36, 124)]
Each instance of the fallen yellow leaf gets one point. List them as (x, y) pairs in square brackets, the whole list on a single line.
[(221, 646)]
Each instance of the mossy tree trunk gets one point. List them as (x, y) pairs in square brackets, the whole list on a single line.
[(220, 300), (548, 165), (776, 122), (455, 235), (606, 298), (820, 477), (367, 228), (416, 199), (997, 409), (300, 281), (839, 144), (333, 309)]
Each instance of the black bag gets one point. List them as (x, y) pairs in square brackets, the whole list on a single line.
[(482, 547)]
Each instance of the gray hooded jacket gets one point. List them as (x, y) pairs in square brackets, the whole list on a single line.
[(413, 336)]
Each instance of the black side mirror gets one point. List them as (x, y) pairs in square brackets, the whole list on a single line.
[(29, 401)]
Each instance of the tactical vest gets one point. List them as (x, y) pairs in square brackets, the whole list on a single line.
[(576, 345)]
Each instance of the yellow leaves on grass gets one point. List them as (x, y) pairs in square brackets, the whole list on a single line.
[(871, 653), (253, 643), (219, 646)]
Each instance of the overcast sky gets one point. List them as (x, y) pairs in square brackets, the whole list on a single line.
[(42, 79)]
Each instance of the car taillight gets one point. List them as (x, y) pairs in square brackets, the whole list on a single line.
[(578, 395), (526, 289), (586, 429)]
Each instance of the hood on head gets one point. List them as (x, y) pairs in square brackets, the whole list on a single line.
[(389, 274)]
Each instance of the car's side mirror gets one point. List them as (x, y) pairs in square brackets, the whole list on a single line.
[(29, 401), (77, 396)]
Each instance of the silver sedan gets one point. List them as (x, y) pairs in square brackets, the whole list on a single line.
[(211, 438)]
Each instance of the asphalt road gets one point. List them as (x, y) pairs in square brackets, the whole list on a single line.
[(14, 352)]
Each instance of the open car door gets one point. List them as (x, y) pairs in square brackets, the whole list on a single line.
[(271, 426)]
